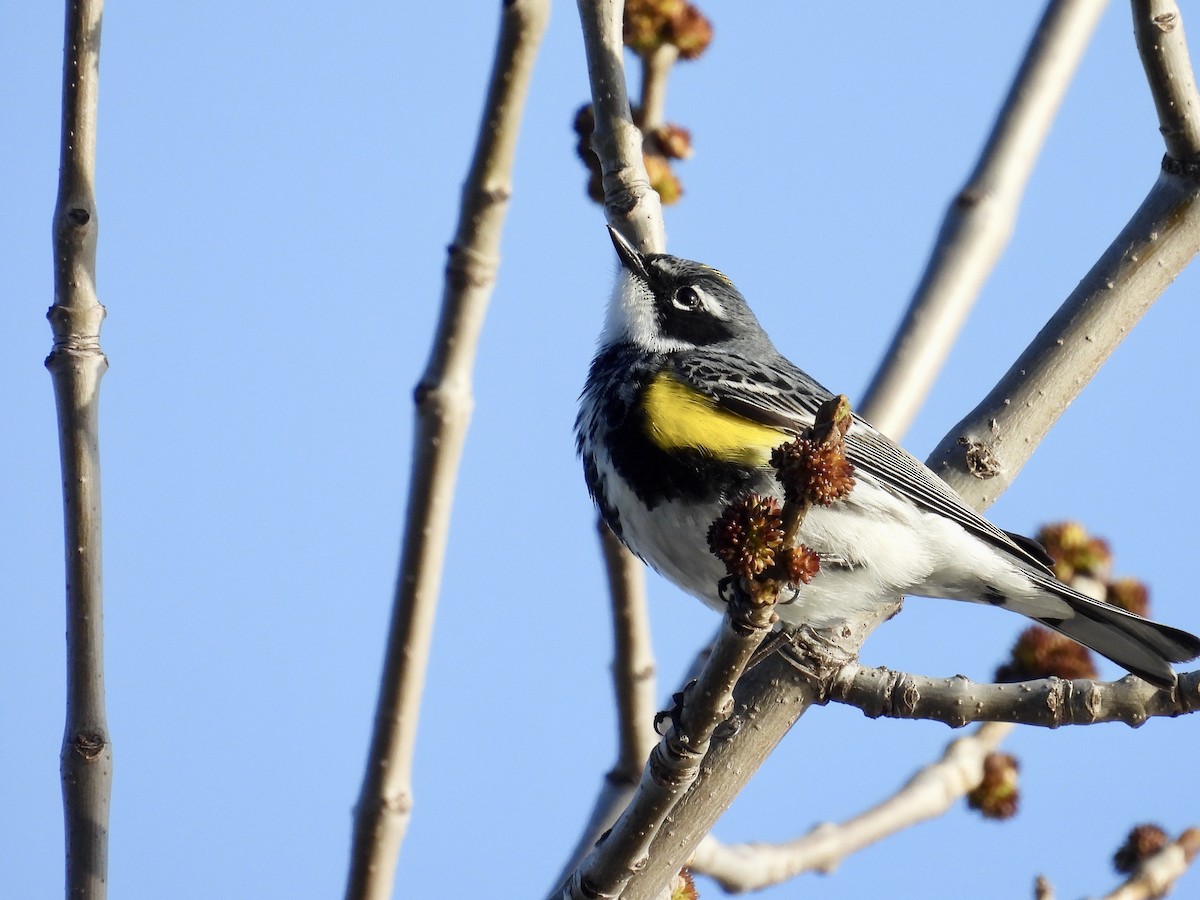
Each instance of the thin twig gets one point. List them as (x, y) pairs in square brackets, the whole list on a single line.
[(932, 790), (980, 220), (633, 664), (443, 400), (76, 364), (927, 794), (1162, 44), (636, 695), (1047, 702), (656, 66)]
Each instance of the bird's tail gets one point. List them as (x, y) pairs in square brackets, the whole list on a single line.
[(1145, 648)]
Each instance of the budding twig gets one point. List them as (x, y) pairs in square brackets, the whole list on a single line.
[(757, 538)]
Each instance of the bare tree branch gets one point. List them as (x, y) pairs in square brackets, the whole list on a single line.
[(443, 400), (1156, 876), (981, 217), (630, 203), (632, 206), (633, 665), (981, 455), (756, 539), (675, 760), (767, 701), (1048, 702), (656, 66), (1162, 44), (76, 364), (636, 693), (984, 452), (927, 794)]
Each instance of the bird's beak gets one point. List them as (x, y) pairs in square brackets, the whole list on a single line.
[(631, 258)]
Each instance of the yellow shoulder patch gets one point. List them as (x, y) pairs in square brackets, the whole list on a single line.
[(679, 418)]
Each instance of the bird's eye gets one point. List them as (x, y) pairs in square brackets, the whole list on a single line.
[(687, 298)]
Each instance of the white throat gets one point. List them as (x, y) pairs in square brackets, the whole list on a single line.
[(632, 318)]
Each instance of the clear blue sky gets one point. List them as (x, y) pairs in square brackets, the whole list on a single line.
[(277, 184)]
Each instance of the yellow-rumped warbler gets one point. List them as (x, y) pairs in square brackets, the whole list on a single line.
[(684, 402)]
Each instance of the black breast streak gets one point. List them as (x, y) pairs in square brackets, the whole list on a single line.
[(617, 384), (595, 484)]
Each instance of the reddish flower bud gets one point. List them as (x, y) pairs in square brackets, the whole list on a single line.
[(1140, 844), (747, 535), (997, 795), (1040, 653)]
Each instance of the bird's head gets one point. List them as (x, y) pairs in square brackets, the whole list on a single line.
[(664, 304)]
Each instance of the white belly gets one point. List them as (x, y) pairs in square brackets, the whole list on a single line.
[(873, 548)]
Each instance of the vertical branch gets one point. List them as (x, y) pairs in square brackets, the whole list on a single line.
[(76, 364), (443, 399), (634, 687), (632, 206), (633, 663), (981, 218), (1158, 30), (656, 66), (630, 203)]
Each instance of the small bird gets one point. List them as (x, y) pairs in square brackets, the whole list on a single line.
[(684, 402)]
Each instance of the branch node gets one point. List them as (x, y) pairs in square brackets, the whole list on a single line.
[(1165, 22), (979, 459), (1182, 168), (88, 745)]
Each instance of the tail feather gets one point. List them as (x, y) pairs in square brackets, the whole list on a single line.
[(1145, 648)]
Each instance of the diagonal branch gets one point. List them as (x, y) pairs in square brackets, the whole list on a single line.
[(76, 364), (756, 540), (1156, 876), (984, 452), (927, 794), (675, 760), (443, 399), (981, 217)]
